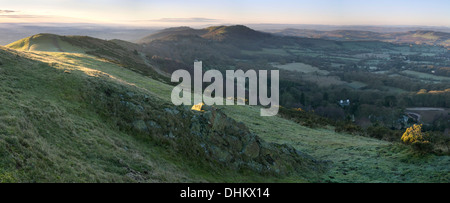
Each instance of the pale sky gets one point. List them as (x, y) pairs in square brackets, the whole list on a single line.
[(199, 12)]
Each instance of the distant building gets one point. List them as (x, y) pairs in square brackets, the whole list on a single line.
[(344, 103)]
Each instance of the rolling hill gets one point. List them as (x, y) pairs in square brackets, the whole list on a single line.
[(177, 47), (122, 53), (46, 42), (410, 37), (169, 32), (216, 33)]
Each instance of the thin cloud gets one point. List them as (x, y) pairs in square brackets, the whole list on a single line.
[(7, 11), (29, 18), (184, 20), (21, 16)]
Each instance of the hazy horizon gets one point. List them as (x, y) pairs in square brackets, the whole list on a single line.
[(197, 13)]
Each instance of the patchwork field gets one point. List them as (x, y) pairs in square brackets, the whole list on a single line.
[(266, 51), (426, 76), (302, 68), (427, 115), (356, 85)]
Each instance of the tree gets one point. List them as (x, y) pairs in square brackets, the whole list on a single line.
[(390, 101), (325, 96), (303, 99)]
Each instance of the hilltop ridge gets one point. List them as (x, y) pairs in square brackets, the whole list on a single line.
[(46, 42), (217, 33), (58, 43)]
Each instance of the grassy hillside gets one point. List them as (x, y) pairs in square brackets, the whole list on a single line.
[(76, 117), (122, 53), (49, 134), (353, 158)]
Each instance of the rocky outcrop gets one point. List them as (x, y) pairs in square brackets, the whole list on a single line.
[(210, 136), (232, 143)]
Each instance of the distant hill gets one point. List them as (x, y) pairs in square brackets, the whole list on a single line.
[(221, 33), (411, 37), (422, 37), (170, 32), (378, 29), (216, 33), (176, 48), (11, 32), (71, 44)]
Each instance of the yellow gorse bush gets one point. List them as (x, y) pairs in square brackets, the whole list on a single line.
[(414, 134), (198, 107)]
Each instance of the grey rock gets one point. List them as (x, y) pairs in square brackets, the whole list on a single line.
[(153, 124), (140, 126), (172, 111)]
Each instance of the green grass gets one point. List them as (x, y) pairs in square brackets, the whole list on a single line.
[(356, 85), (21, 45), (49, 135), (94, 66), (353, 158)]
